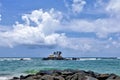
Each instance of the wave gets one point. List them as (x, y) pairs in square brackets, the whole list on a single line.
[(83, 59), (14, 59), (118, 57), (90, 58), (4, 78), (86, 59)]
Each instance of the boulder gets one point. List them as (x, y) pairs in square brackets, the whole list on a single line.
[(78, 76), (43, 72), (113, 77), (67, 74), (103, 76), (47, 77), (15, 78), (59, 78), (90, 78), (37, 77)]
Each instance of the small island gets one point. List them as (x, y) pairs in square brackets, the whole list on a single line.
[(55, 56)]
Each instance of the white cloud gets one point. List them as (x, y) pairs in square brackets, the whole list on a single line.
[(114, 7), (0, 17), (102, 27), (40, 29), (41, 33), (28, 34), (78, 5)]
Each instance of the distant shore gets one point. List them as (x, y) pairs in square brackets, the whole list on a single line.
[(67, 74)]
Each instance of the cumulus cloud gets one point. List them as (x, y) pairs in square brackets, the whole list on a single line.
[(41, 33), (40, 27)]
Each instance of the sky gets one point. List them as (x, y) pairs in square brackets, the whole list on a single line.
[(78, 28)]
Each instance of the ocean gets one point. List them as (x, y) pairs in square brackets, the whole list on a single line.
[(10, 67)]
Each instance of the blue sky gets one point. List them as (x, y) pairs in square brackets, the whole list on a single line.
[(85, 28)]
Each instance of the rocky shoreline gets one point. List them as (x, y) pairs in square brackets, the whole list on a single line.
[(67, 74)]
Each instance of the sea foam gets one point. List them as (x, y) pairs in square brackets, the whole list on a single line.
[(14, 59), (5, 78)]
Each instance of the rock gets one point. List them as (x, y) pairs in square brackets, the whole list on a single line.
[(78, 76), (91, 73), (118, 78), (57, 71), (90, 78), (59, 78), (103, 76), (68, 78), (28, 78), (54, 58), (22, 77), (43, 72), (15, 77), (47, 77), (67, 74), (113, 77), (37, 77)]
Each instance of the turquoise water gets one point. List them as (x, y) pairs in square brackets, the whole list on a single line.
[(15, 66)]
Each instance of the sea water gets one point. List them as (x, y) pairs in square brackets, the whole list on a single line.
[(10, 67)]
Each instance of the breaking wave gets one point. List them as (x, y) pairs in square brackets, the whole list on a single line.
[(14, 59)]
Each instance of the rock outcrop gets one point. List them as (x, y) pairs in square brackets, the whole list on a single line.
[(67, 75)]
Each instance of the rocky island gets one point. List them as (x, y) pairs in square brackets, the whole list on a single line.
[(55, 56), (67, 74)]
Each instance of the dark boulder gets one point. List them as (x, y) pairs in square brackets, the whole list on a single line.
[(90, 78), (78, 76), (59, 78), (113, 77), (47, 77), (43, 72), (103, 76)]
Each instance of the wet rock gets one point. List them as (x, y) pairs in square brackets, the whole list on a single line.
[(37, 77), (78, 76), (15, 77), (47, 77), (103, 76), (90, 78), (59, 72), (22, 77), (59, 78), (113, 77), (28, 78), (68, 75), (43, 72)]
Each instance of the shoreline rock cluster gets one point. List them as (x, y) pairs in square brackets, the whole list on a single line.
[(67, 74)]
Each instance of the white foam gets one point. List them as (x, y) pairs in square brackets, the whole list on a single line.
[(118, 57), (26, 58), (4, 78), (84, 59), (14, 59)]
